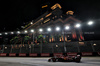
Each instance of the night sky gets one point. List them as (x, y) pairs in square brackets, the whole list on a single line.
[(17, 13)]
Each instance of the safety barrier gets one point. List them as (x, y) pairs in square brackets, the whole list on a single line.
[(12, 54), (48, 54), (87, 53), (22, 54), (3, 54), (33, 55), (45, 54), (56, 54), (72, 54)]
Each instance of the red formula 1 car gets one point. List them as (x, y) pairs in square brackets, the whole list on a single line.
[(64, 58)]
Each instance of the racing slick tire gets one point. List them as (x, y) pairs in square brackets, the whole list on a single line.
[(77, 60), (49, 60), (52, 60)]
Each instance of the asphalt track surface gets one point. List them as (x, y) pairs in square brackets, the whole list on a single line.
[(30, 61)]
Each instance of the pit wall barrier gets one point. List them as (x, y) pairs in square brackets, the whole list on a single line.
[(71, 54), (22, 54), (3, 54), (87, 53), (12, 54), (57, 54), (33, 54), (47, 54)]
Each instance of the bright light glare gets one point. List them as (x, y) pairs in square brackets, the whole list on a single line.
[(40, 30), (31, 23), (90, 22), (32, 30), (12, 32), (0, 33), (67, 27), (26, 31), (57, 28), (94, 44), (49, 29), (77, 25), (6, 33), (18, 32), (5, 47)]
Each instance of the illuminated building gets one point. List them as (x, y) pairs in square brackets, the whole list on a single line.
[(57, 18)]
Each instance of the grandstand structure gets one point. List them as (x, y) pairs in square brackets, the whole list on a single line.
[(53, 41)]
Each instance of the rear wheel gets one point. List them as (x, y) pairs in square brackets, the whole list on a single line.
[(52, 60)]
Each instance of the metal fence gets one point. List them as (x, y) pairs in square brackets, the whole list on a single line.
[(56, 47)]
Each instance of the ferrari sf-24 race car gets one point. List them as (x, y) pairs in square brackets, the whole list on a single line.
[(65, 58)]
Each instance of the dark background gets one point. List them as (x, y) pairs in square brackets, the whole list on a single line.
[(17, 13)]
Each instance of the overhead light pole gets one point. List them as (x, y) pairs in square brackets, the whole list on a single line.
[(18, 32), (41, 38), (32, 31), (12, 32), (63, 31), (90, 23), (6, 33), (49, 29), (0, 34), (57, 28), (25, 31), (78, 25)]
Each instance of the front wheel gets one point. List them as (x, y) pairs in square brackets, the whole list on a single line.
[(77, 60), (49, 60), (52, 60)]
